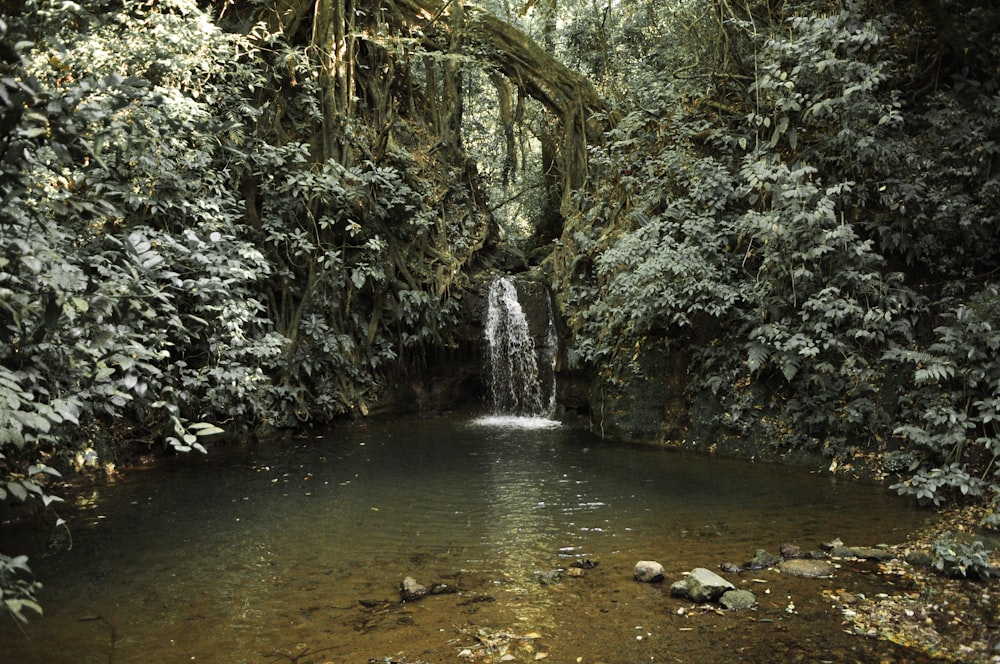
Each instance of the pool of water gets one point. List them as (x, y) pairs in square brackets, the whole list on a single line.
[(295, 550)]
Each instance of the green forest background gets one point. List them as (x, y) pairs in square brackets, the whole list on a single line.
[(248, 215)]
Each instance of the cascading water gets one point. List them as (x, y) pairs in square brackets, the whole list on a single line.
[(517, 387)]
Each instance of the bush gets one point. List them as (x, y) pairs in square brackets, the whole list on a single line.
[(960, 559)]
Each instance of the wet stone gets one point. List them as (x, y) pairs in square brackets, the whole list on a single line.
[(736, 600), (648, 571), (701, 585), (411, 591), (815, 569), (762, 560), (864, 552)]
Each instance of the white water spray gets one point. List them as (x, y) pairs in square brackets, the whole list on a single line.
[(516, 386)]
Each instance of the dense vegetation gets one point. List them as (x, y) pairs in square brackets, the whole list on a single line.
[(242, 215)]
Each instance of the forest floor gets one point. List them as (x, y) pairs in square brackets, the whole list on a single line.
[(947, 619)]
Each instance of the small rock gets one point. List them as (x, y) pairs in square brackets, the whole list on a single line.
[(815, 569), (832, 544), (872, 553), (791, 551), (735, 600), (545, 578), (648, 571), (919, 559), (412, 591), (701, 585), (586, 563), (731, 568), (442, 589), (762, 560), (863, 552), (575, 572)]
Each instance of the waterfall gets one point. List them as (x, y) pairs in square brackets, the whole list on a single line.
[(521, 375)]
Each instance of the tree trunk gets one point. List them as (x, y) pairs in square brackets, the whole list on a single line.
[(333, 40), (564, 92)]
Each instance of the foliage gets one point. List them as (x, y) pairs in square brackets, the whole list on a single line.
[(178, 256), (950, 415), (17, 592), (820, 248), (960, 559)]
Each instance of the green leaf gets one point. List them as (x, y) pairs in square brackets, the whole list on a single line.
[(17, 490), (205, 429)]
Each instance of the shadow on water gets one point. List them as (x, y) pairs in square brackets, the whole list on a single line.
[(294, 551)]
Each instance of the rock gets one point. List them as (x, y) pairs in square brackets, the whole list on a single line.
[(575, 572), (701, 585), (867, 553), (442, 589), (545, 578), (920, 559), (762, 560), (791, 551), (412, 591), (731, 568), (816, 569), (586, 563), (648, 571), (735, 600)]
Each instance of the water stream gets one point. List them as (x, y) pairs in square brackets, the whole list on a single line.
[(517, 369), (294, 551)]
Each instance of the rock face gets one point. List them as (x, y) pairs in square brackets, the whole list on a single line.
[(648, 571), (536, 303), (701, 585), (411, 590)]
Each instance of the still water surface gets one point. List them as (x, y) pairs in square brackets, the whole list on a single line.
[(294, 551)]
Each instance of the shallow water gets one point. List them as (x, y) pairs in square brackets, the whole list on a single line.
[(265, 554)]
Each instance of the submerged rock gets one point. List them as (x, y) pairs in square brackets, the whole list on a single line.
[(411, 591), (864, 552), (735, 600), (807, 567), (761, 560), (648, 571), (551, 576), (701, 585)]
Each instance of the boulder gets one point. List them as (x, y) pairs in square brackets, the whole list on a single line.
[(648, 571), (735, 600), (411, 590), (701, 585)]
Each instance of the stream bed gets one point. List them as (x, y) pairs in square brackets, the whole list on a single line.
[(294, 551)]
